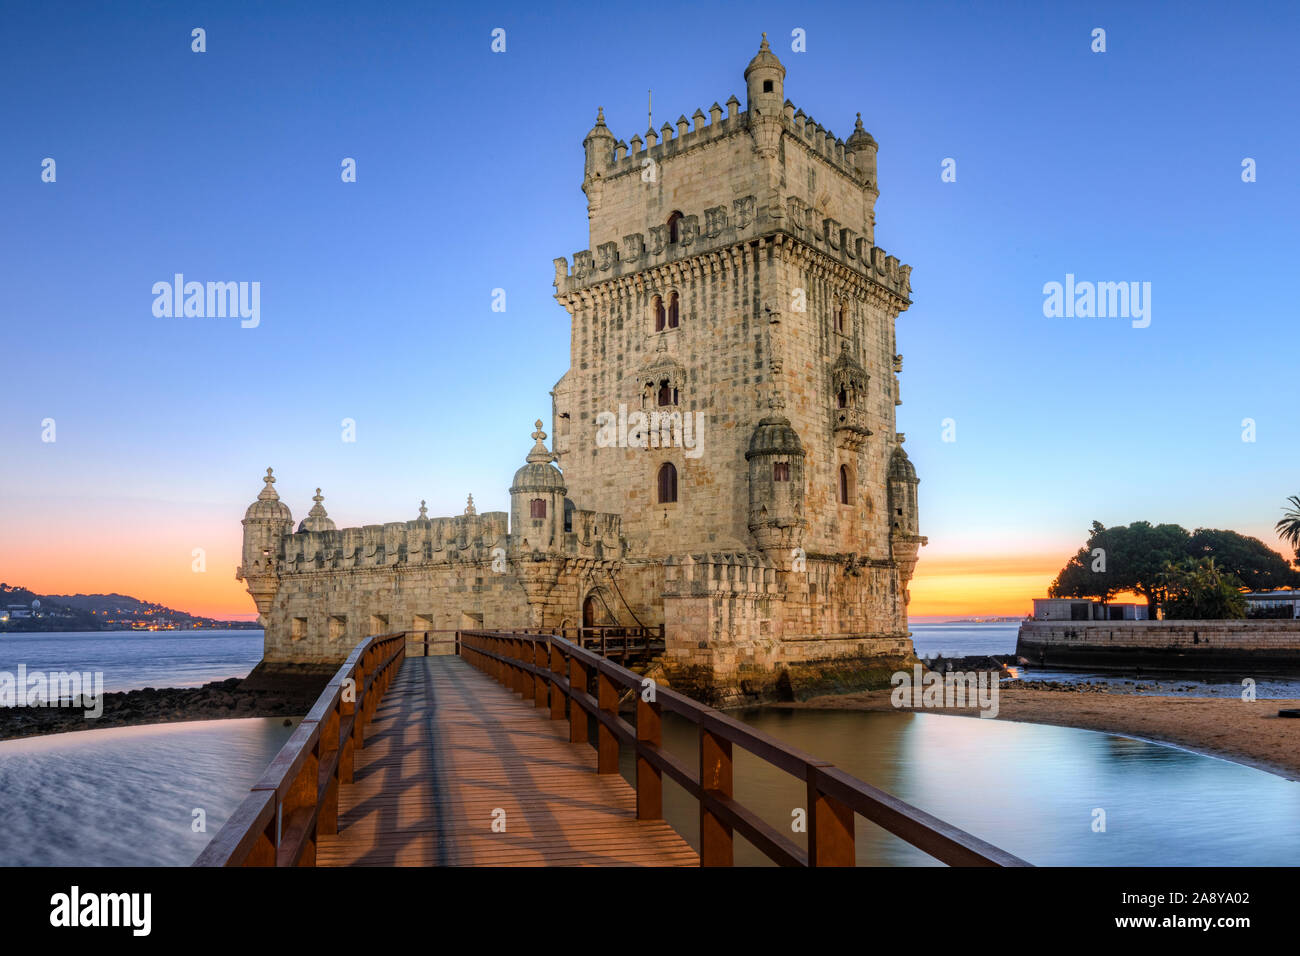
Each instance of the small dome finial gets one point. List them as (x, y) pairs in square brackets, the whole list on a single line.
[(469, 506), (268, 490), (424, 512), (317, 519), (539, 452), (763, 45)]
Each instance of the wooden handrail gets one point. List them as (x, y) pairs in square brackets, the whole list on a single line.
[(557, 673), (297, 798)]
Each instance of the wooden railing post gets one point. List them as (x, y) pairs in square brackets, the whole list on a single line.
[(329, 744), (649, 778), (359, 724), (830, 826), (557, 671), (577, 713), (301, 795), (716, 844), (539, 680), (607, 743)]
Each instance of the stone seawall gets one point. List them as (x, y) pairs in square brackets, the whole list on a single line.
[(1170, 645), (792, 669)]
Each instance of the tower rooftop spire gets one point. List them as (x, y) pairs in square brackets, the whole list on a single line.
[(268, 490), (539, 452), (764, 59)]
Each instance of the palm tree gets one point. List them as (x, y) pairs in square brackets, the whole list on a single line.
[(1288, 528)]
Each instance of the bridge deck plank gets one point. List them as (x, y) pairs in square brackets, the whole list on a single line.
[(447, 747)]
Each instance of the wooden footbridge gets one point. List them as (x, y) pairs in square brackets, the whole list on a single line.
[(503, 750)]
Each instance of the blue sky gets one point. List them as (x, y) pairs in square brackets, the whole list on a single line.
[(376, 295)]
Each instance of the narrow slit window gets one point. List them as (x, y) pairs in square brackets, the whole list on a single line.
[(667, 483)]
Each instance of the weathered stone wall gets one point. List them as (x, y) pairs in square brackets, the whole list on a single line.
[(1176, 645), (322, 615)]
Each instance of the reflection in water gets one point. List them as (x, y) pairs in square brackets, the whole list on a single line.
[(125, 796), (1029, 789)]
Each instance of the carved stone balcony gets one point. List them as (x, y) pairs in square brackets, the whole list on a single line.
[(851, 429)]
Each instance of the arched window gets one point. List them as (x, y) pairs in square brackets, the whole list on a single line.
[(673, 311), (846, 485), (781, 471), (667, 394), (673, 231), (842, 399), (841, 317), (667, 483), (660, 315), (537, 509)]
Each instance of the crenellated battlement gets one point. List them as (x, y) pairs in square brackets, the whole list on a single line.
[(469, 538), (721, 226), (733, 573), (459, 539), (672, 140)]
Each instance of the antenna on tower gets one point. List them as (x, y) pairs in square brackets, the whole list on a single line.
[(649, 107)]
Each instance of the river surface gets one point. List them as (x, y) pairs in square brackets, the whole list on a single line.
[(126, 796), (1033, 790), (959, 639), (130, 660)]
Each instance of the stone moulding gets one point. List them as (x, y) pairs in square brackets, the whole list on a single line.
[(884, 281)]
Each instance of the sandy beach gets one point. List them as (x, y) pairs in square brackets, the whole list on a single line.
[(1249, 733)]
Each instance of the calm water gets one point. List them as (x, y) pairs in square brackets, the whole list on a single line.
[(1026, 788), (963, 640), (126, 795), (134, 659)]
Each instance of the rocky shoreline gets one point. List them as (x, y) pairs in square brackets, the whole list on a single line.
[(219, 700)]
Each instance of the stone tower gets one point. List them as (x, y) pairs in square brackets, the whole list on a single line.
[(725, 459), (733, 370), (732, 262)]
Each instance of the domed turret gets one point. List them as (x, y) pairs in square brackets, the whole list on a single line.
[(539, 474), (902, 492), (765, 82), (317, 519), (861, 148), (268, 506), (599, 146), (905, 539), (266, 522), (537, 499), (901, 467), (776, 488)]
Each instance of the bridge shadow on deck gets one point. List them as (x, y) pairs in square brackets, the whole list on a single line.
[(450, 753)]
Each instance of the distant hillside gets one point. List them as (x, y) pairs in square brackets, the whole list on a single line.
[(24, 610)]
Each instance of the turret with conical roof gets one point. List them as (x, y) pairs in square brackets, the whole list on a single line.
[(776, 489), (861, 148), (599, 148), (537, 499), (317, 519), (266, 522), (765, 82)]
